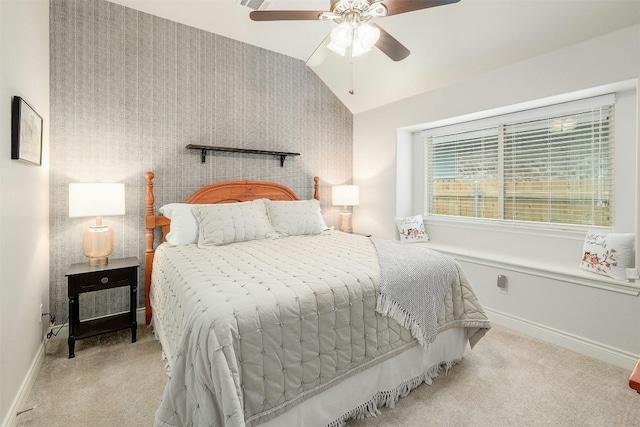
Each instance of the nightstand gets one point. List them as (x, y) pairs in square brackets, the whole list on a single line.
[(83, 278)]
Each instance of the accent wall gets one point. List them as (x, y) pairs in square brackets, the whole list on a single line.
[(130, 90)]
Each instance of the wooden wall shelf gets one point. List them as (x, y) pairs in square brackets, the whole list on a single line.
[(204, 148)]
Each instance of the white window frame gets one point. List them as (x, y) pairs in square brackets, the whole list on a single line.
[(547, 251), (517, 116)]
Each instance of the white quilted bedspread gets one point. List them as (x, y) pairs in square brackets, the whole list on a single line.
[(252, 328)]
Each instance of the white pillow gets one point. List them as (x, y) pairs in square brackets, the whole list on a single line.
[(184, 227), (296, 217), (224, 223), (411, 229), (609, 254)]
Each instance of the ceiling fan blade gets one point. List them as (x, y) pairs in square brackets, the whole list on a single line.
[(285, 15), (390, 46), (395, 7)]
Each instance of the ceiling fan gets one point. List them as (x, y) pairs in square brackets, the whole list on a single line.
[(355, 34)]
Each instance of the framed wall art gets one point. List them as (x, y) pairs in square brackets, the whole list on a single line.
[(26, 132)]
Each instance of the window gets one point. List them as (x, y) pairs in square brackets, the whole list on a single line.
[(549, 165)]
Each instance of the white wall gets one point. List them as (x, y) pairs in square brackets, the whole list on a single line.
[(574, 313), (24, 204)]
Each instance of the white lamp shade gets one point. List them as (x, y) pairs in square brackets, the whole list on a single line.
[(345, 195), (368, 36), (356, 49), (342, 35), (96, 199), (365, 38)]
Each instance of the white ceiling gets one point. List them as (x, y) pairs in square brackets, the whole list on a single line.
[(447, 43)]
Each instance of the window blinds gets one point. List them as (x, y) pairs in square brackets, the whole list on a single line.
[(550, 165), (464, 167)]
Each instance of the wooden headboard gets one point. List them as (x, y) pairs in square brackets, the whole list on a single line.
[(219, 192)]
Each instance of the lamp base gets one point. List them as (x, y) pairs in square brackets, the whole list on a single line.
[(345, 222), (97, 244), (99, 261)]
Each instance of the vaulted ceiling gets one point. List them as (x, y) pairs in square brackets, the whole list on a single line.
[(447, 43)]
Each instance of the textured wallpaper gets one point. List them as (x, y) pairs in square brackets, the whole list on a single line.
[(129, 91)]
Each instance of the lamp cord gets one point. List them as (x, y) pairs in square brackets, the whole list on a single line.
[(55, 334)]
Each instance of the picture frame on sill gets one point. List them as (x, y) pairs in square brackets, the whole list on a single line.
[(26, 132)]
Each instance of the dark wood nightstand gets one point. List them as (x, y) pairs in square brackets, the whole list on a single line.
[(82, 278)]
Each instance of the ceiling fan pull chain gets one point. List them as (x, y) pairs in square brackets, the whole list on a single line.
[(351, 75)]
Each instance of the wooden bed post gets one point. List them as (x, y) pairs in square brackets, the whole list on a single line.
[(149, 200), (634, 379), (316, 191)]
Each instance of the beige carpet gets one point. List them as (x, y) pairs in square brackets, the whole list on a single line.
[(507, 380)]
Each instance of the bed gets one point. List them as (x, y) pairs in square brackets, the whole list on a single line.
[(268, 317)]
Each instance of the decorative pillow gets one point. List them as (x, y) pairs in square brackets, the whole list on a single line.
[(411, 229), (225, 223), (184, 227), (294, 218), (609, 254)]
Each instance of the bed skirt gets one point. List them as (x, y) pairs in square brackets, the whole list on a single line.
[(380, 385)]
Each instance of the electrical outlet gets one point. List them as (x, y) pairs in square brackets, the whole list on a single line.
[(40, 314), (502, 283)]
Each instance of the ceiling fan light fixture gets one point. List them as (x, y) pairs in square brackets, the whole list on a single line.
[(342, 35), (361, 40), (367, 36), (342, 51), (350, 14), (357, 49)]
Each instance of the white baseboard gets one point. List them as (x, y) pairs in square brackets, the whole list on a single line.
[(569, 341), (11, 419), (611, 355)]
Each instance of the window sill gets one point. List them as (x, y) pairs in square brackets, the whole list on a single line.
[(575, 232), (565, 273)]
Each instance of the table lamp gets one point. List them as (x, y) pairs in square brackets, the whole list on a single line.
[(345, 195), (96, 199)]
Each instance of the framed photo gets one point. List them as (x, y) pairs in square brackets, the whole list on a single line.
[(26, 132)]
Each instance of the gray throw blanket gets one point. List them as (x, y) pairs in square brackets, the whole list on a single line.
[(414, 281)]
